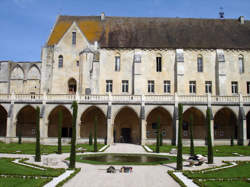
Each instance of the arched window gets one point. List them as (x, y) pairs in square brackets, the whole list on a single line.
[(72, 86), (200, 63), (241, 64), (158, 63), (117, 62), (60, 61)]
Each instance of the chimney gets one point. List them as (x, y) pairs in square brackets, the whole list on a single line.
[(102, 16), (242, 20)]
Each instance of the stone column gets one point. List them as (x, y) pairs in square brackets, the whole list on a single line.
[(78, 128), (175, 121), (244, 135), (143, 131), (110, 125), (110, 130), (9, 130)]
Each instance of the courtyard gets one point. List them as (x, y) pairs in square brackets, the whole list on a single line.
[(229, 166)]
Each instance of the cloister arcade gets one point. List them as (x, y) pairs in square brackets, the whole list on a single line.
[(126, 124)]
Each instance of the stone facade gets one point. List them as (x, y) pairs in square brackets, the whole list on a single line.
[(147, 84)]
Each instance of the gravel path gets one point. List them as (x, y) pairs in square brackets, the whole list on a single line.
[(125, 148), (142, 176)]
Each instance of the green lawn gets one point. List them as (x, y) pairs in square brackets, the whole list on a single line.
[(29, 148), (226, 184), (218, 150), (239, 171), (10, 168), (20, 182), (127, 159)]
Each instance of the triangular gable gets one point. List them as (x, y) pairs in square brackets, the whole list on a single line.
[(92, 29)]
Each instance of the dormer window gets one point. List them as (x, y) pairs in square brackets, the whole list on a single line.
[(200, 64), (241, 64), (158, 63), (117, 63), (74, 38)]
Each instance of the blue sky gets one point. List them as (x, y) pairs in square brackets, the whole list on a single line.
[(26, 24)]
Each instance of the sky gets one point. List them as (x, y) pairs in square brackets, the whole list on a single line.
[(25, 25)]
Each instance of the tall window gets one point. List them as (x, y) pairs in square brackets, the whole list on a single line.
[(234, 87), (208, 86), (72, 86), (192, 87), (167, 87), (151, 86), (248, 87), (73, 38), (158, 63), (60, 61), (241, 64), (77, 63), (125, 86), (117, 63), (200, 64), (109, 86)]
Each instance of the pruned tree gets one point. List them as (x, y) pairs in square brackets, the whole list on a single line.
[(191, 121), (90, 139), (209, 138), (157, 148), (38, 151), (72, 163), (179, 147)]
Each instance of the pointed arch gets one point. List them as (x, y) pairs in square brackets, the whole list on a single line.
[(54, 119), (199, 123), (127, 126), (3, 121), (87, 122), (34, 72), (17, 73), (26, 121), (159, 113), (225, 124)]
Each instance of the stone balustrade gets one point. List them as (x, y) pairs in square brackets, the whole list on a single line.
[(169, 99)]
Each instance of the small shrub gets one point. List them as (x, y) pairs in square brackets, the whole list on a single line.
[(90, 139), (232, 141)]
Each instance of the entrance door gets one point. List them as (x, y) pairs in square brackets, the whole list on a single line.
[(126, 135)]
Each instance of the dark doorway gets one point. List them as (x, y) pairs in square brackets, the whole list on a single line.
[(66, 132), (126, 135)]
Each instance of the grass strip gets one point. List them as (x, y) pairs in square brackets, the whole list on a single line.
[(10, 168), (77, 170), (223, 150), (171, 173), (23, 182), (29, 148)]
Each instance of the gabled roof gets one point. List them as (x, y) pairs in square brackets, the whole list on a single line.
[(133, 32)]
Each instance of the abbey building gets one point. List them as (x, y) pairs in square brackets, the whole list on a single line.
[(130, 73)]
